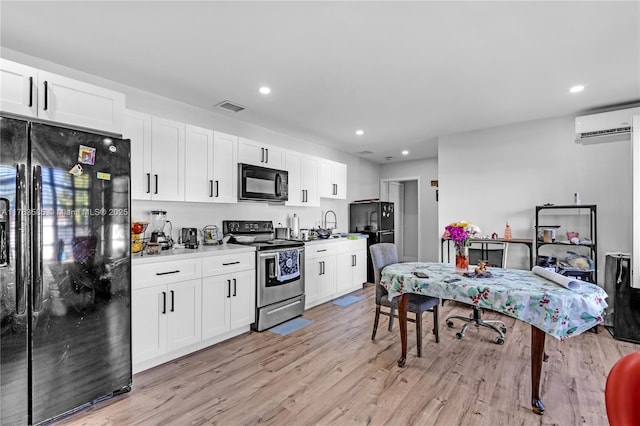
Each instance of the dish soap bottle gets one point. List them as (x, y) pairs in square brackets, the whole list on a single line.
[(507, 232)]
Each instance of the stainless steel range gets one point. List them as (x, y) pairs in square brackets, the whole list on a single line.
[(279, 271)]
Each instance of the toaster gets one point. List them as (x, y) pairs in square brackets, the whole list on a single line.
[(189, 237)]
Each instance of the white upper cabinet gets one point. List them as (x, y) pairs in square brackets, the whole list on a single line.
[(211, 175), (303, 179), (225, 168), (157, 157), (40, 94), (137, 127), (199, 174), (333, 180), (259, 154), (167, 159), (18, 84)]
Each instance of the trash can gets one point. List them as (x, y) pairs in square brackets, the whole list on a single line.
[(622, 316)]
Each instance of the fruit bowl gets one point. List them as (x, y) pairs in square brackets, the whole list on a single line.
[(139, 227)]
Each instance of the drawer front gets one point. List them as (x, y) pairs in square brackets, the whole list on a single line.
[(165, 272), (227, 263), (349, 246), (315, 250)]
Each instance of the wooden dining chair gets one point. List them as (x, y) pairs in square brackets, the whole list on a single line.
[(383, 254), (494, 257)]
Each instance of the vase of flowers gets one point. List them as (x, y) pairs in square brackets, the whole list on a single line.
[(461, 233)]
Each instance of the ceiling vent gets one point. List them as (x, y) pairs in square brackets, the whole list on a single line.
[(608, 126), (230, 106), (364, 153)]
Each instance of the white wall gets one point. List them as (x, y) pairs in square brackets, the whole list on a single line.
[(500, 174), (425, 171), (411, 219), (362, 175)]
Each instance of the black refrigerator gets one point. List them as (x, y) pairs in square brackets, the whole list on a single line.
[(65, 270), (374, 218)]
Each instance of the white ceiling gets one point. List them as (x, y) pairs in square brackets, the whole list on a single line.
[(404, 72)]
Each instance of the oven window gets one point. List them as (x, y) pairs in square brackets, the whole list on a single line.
[(271, 278)]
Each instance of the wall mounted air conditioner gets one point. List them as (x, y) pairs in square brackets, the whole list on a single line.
[(610, 126)]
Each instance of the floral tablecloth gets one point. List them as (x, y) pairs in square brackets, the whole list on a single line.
[(521, 294)]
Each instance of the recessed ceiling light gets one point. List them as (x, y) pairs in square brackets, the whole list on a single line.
[(576, 89), (265, 90), (359, 132), (405, 152)]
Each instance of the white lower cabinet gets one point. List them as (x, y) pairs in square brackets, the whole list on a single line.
[(228, 302), (351, 259), (166, 318), (333, 269), (180, 306), (320, 273)]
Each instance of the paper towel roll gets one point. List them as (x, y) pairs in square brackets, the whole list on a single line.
[(567, 282), (295, 226)]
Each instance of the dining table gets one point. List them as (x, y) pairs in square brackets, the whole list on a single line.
[(550, 308)]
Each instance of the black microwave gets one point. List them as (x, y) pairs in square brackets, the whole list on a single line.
[(257, 183)]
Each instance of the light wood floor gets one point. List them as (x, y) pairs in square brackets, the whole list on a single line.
[(331, 372)]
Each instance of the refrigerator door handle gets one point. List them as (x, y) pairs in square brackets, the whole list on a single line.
[(22, 266), (38, 288)]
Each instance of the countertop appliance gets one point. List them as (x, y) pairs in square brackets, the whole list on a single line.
[(157, 222), (279, 271), (65, 288), (376, 219), (256, 183), (211, 236), (189, 238)]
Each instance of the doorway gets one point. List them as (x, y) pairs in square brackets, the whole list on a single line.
[(405, 195)]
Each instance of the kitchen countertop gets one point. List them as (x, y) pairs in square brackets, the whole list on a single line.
[(183, 253), (336, 239)]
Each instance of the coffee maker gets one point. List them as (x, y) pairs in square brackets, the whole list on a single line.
[(157, 222)]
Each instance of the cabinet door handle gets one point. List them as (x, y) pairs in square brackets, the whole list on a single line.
[(156, 176), (46, 96), (266, 160), (164, 302), (217, 190), (148, 183), (234, 287), (168, 272), (30, 92), (172, 301), (353, 260), (262, 158), (210, 188), (231, 263), (228, 289)]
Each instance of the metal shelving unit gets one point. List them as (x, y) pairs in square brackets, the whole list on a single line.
[(591, 249)]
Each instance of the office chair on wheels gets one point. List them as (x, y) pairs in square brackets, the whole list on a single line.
[(495, 257)]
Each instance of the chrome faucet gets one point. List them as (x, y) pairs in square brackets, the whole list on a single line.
[(335, 219)]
